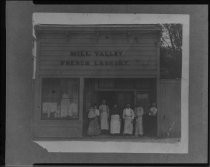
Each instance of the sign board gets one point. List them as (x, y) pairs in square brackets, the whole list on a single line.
[(89, 54)]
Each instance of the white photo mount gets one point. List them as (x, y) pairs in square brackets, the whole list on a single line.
[(163, 146)]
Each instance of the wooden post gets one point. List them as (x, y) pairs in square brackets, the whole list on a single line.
[(81, 99), (158, 87)]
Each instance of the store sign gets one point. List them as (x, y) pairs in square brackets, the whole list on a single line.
[(96, 53), (72, 61)]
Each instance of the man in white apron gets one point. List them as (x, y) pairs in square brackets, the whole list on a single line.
[(128, 116), (104, 115)]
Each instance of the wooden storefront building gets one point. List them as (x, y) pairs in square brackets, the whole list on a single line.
[(85, 64)]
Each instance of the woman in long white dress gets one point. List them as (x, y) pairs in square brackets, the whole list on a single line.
[(115, 122), (139, 121), (128, 116), (104, 115)]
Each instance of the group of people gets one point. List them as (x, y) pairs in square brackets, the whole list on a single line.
[(104, 121)]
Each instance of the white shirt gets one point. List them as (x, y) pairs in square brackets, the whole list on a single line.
[(128, 112), (153, 111)]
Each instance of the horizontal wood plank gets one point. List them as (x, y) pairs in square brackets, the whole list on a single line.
[(98, 47), (97, 40)]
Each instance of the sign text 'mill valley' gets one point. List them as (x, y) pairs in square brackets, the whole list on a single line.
[(105, 53)]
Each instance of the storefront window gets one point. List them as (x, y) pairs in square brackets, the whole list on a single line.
[(60, 97)]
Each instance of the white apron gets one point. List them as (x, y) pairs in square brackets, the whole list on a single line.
[(128, 126), (104, 117), (139, 126), (104, 121), (115, 124), (128, 116)]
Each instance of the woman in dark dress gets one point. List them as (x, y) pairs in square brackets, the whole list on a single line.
[(152, 120)]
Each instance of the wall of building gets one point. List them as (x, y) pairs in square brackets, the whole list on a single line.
[(20, 149), (91, 51), (170, 108)]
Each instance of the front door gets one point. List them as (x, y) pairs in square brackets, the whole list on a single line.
[(143, 99), (125, 97), (109, 96), (121, 98)]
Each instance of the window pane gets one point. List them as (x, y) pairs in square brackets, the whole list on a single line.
[(60, 98)]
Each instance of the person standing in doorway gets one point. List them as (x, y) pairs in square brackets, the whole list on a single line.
[(115, 122), (152, 117), (104, 114), (128, 116), (139, 111)]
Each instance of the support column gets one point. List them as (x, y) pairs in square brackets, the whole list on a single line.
[(81, 100), (158, 89)]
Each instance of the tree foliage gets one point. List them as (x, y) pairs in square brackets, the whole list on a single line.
[(171, 50)]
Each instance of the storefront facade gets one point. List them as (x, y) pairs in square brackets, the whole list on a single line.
[(78, 66)]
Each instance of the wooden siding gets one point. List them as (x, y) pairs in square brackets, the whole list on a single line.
[(170, 108), (58, 131), (138, 49)]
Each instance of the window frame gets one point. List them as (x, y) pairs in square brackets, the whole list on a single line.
[(67, 79), (38, 103)]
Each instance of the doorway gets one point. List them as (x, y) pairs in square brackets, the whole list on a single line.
[(149, 122), (121, 92), (121, 98)]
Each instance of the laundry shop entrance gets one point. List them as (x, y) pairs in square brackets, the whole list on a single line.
[(79, 66), (120, 92)]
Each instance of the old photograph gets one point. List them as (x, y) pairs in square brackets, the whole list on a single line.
[(104, 84), (108, 82)]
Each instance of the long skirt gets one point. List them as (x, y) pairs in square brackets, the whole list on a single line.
[(104, 121), (115, 124), (146, 125), (128, 126), (152, 127), (139, 126), (93, 128)]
